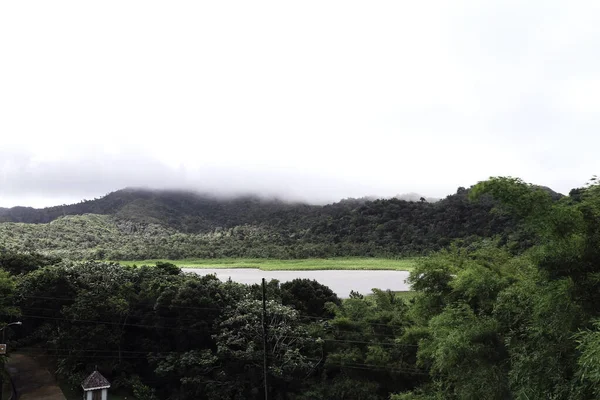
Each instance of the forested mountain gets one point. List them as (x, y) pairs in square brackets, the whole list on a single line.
[(135, 223), (185, 211)]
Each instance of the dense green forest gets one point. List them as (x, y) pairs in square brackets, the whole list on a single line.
[(142, 224), (485, 322)]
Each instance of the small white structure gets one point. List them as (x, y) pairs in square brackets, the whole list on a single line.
[(95, 387)]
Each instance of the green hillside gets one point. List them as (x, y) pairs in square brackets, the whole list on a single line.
[(141, 224)]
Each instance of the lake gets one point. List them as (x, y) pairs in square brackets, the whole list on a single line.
[(340, 281)]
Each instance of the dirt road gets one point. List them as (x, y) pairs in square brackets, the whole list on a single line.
[(31, 380)]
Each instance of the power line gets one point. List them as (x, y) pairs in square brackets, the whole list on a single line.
[(156, 316), (139, 302), (183, 320), (333, 318), (154, 327), (319, 319), (69, 352), (112, 323), (74, 349), (194, 321), (378, 368), (208, 330)]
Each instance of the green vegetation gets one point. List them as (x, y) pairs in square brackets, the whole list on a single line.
[(486, 319), (406, 295), (140, 225), (292, 265)]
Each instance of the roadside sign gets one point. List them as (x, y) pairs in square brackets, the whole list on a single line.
[(2, 349)]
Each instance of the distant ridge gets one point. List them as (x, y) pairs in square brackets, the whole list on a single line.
[(170, 206), (142, 223), (176, 208)]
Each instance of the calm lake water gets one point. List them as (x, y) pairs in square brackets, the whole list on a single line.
[(340, 281)]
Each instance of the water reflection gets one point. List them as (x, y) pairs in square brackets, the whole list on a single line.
[(340, 281)]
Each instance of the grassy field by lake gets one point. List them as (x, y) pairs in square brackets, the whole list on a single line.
[(349, 263)]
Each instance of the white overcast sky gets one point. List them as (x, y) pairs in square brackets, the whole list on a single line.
[(313, 100)]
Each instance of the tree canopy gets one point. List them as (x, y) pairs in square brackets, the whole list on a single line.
[(137, 225), (488, 318)]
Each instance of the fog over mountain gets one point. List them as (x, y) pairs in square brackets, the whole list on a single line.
[(26, 182), (307, 101)]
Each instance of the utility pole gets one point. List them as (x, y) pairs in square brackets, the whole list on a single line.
[(264, 326)]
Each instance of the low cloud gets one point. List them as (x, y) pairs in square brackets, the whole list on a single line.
[(392, 98), (25, 181)]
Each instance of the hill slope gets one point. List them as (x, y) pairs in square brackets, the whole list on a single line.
[(185, 211), (135, 224)]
